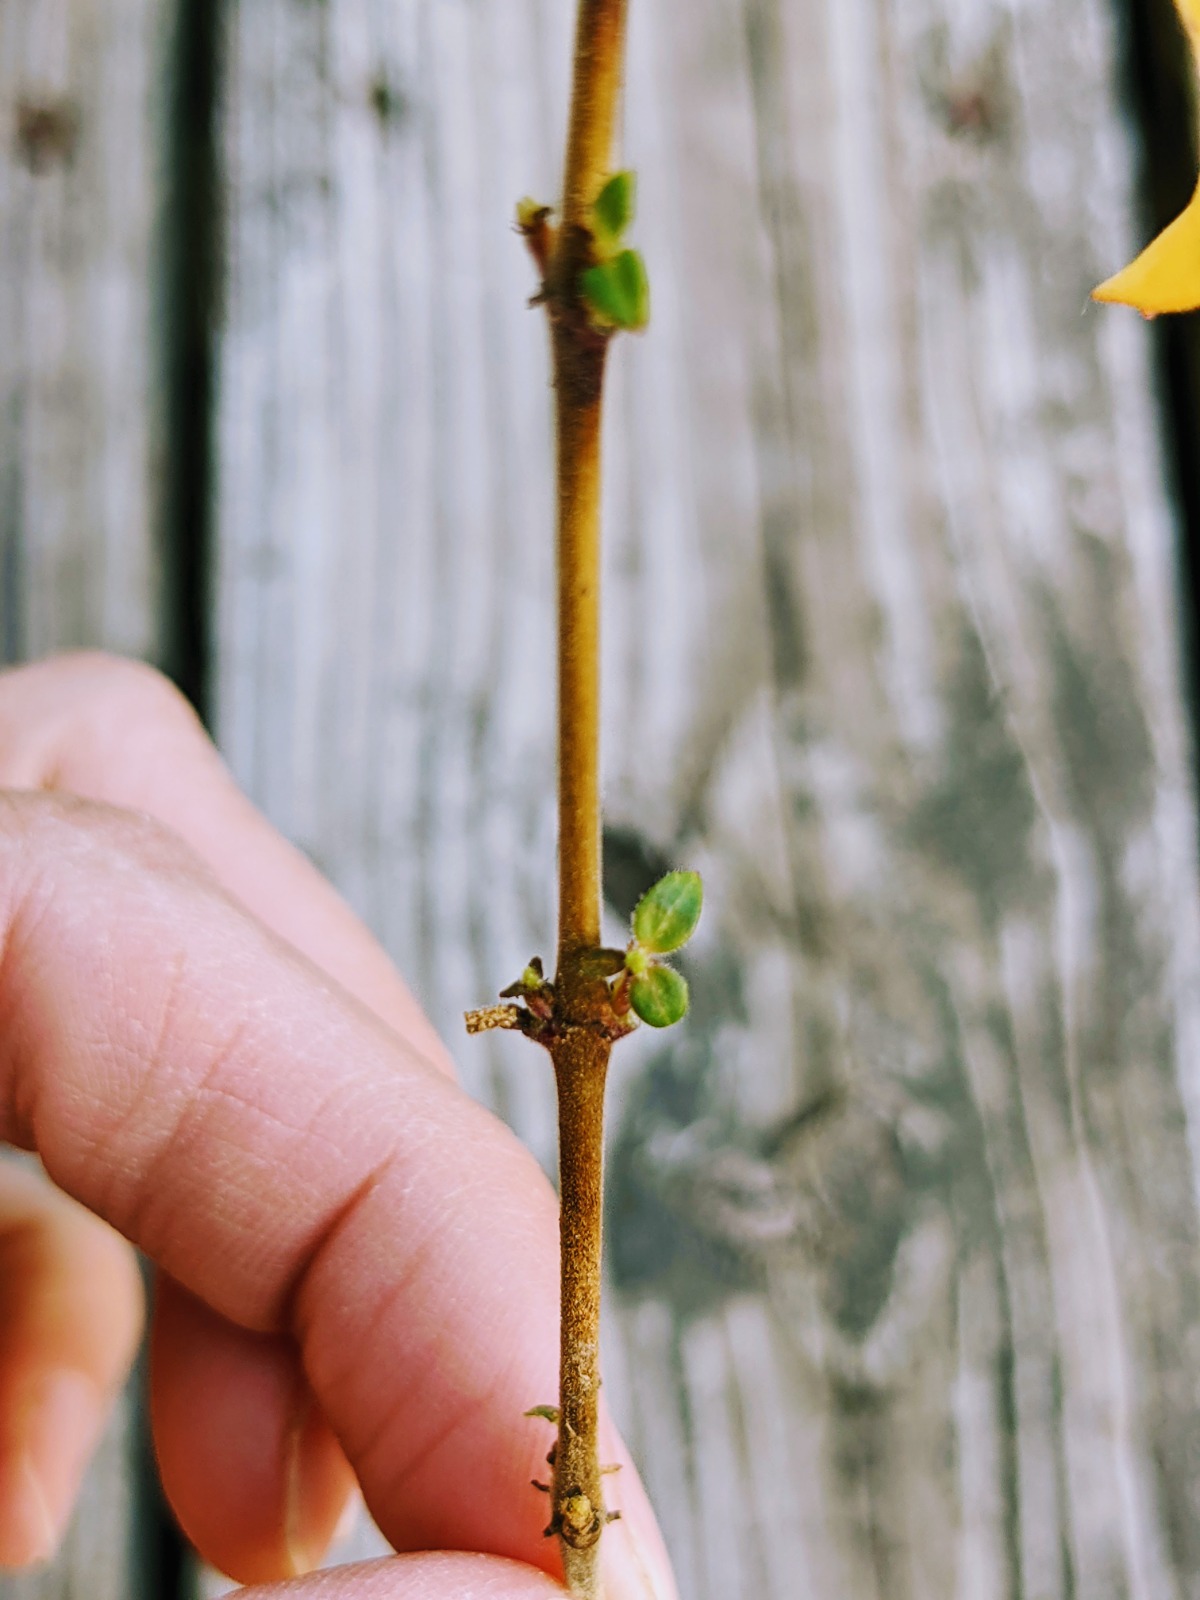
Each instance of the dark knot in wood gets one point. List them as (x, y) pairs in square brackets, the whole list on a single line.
[(47, 133)]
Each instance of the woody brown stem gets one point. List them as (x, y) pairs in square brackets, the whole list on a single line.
[(595, 91), (580, 1064), (578, 386), (578, 374), (581, 1052)]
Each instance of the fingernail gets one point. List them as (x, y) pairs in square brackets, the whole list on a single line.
[(301, 1557), (635, 1567), (28, 1535), (316, 1512), (348, 1520), (61, 1420)]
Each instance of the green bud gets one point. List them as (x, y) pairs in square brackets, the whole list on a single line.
[(667, 914), (532, 979), (636, 960), (660, 996), (613, 209), (530, 213), (549, 1413), (617, 292), (604, 963)]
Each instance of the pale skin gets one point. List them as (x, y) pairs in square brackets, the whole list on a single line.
[(357, 1265)]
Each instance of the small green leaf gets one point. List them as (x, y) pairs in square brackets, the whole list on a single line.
[(617, 292), (660, 997), (613, 209), (667, 914), (549, 1413)]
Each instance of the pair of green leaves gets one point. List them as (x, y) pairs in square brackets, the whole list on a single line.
[(615, 290), (663, 921)]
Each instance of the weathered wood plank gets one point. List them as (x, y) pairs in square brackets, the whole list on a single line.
[(82, 141), (904, 1224), (81, 186)]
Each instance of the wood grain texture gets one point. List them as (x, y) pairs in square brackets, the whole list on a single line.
[(82, 139), (82, 142), (906, 1297)]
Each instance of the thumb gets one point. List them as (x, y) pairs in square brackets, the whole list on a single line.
[(437, 1576)]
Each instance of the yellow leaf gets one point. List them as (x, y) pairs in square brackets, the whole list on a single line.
[(1166, 276), (1189, 15)]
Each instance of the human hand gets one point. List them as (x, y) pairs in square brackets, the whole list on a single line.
[(357, 1263)]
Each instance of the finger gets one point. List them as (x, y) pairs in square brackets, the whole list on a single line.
[(70, 1317), (113, 729), (431, 1576), (255, 1475), (253, 1471), (116, 731), (289, 1161)]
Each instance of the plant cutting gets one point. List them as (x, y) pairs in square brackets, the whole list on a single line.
[(593, 286)]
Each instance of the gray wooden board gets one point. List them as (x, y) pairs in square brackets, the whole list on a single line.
[(905, 1294), (81, 186), (82, 136), (904, 1288)]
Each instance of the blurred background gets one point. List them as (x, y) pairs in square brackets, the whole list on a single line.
[(904, 1288)]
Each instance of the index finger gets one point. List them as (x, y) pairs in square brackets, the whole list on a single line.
[(289, 1159), (113, 730)]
